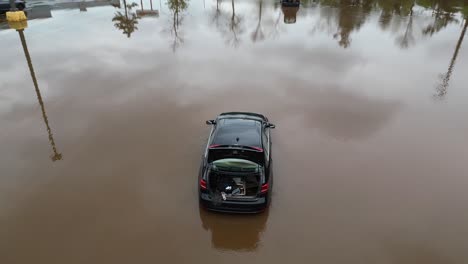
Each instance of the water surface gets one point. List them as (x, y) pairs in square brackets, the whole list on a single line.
[(102, 110)]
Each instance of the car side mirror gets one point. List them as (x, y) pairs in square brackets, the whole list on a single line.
[(270, 126), (210, 122)]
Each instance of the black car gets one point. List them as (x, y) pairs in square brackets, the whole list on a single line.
[(236, 171), (5, 5)]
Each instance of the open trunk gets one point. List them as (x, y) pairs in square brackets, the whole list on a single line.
[(234, 185), (231, 179)]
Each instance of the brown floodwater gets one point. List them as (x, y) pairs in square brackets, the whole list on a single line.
[(102, 112)]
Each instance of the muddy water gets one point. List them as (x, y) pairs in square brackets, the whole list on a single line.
[(102, 130)]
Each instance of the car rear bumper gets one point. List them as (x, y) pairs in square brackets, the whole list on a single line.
[(251, 206)]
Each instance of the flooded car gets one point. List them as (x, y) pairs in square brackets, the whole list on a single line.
[(236, 171)]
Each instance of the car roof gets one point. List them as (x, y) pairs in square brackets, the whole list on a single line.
[(238, 131)]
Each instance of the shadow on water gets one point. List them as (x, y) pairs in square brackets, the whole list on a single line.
[(241, 233)]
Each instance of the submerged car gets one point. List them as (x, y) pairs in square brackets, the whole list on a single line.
[(236, 171)]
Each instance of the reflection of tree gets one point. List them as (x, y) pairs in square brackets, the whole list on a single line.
[(217, 14), (442, 88), (352, 15), (441, 20), (343, 17), (176, 6), (386, 13), (234, 27), (275, 31), (56, 155), (124, 22), (145, 12), (407, 37), (228, 24), (258, 35)]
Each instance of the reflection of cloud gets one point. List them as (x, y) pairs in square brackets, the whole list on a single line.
[(351, 121), (325, 58), (345, 115), (407, 253), (234, 232)]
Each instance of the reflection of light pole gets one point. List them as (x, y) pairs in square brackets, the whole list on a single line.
[(442, 88), (56, 155), (12, 5)]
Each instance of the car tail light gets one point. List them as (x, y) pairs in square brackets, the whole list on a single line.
[(214, 146), (258, 149), (203, 184), (264, 188)]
